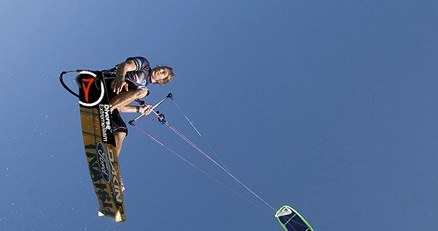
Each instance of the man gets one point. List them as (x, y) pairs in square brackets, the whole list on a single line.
[(128, 82)]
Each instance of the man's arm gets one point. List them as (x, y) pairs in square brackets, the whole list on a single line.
[(125, 98), (143, 109), (119, 83)]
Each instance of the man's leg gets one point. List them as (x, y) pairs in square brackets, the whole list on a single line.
[(119, 137), (120, 131)]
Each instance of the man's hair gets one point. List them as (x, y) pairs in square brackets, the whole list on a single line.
[(169, 76)]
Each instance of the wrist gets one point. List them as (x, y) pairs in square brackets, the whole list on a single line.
[(120, 77)]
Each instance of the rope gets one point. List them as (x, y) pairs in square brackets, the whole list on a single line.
[(200, 135), (190, 163), (217, 164)]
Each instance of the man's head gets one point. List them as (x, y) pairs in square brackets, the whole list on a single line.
[(161, 74)]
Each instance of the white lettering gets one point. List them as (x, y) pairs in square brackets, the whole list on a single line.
[(116, 182), (102, 161), (105, 122)]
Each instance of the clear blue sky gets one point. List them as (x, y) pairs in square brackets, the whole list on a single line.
[(328, 106)]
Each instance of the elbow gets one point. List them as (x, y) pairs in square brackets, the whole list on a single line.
[(129, 65), (126, 66)]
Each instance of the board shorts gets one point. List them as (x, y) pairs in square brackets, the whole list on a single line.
[(118, 124)]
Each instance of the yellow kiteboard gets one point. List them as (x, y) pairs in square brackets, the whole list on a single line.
[(99, 143)]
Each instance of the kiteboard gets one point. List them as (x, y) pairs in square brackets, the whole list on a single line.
[(99, 144), (291, 220)]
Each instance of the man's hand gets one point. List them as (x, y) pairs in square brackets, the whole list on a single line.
[(118, 85), (145, 109)]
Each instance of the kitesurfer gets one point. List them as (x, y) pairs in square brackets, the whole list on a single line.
[(127, 82)]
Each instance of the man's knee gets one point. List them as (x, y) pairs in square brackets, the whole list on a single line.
[(119, 137), (141, 93)]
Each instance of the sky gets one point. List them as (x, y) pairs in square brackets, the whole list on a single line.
[(327, 106)]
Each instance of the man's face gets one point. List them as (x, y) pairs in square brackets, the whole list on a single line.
[(159, 74)]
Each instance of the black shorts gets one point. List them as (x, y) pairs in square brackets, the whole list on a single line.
[(118, 124)]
